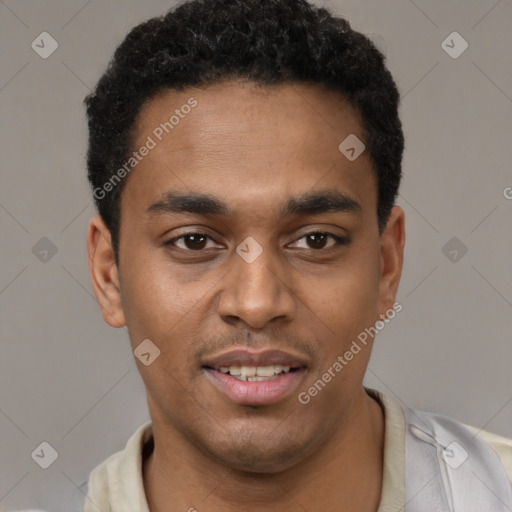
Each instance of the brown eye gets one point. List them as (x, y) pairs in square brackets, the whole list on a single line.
[(318, 240), (195, 242), (191, 241)]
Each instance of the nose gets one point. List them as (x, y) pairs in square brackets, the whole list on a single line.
[(257, 292)]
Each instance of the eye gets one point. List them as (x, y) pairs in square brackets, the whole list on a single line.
[(191, 241), (317, 240), (197, 242)]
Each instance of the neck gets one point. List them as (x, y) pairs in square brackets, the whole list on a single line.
[(344, 474)]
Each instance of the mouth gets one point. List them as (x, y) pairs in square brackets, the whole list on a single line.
[(249, 378), (255, 373)]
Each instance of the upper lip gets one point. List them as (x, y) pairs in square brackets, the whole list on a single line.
[(248, 357)]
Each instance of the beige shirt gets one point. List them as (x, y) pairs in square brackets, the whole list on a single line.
[(116, 485)]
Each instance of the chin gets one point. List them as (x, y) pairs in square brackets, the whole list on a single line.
[(263, 454)]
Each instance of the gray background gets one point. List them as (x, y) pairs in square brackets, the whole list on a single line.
[(70, 380)]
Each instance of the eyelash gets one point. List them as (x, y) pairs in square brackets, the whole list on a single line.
[(340, 241)]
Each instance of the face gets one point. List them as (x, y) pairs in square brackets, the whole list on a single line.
[(249, 249)]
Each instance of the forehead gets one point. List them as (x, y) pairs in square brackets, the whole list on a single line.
[(241, 142)]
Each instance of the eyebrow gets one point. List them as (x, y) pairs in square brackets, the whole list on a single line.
[(311, 203)]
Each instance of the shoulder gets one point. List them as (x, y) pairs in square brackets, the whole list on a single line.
[(501, 445), (119, 474), (395, 416), (98, 488)]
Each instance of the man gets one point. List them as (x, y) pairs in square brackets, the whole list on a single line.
[(245, 157)]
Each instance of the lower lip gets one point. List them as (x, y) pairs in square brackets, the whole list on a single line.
[(256, 393)]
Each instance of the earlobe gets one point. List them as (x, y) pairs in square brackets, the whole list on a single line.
[(104, 273), (392, 255)]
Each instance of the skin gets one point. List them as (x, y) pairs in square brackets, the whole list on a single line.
[(253, 148)]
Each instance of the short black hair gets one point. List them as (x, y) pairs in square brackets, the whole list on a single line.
[(202, 42)]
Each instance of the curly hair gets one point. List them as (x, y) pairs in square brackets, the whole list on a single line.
[(202, 42)]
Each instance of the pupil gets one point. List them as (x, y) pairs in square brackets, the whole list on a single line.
[(314, 238), (197, 241)]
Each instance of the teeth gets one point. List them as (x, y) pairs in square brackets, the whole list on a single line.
[(265, 371), (234, 370), (248, 371), (253, 373)]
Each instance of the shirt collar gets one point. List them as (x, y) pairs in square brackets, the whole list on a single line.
[(393, 477), (122, 476)]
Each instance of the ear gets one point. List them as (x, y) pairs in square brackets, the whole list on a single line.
[(104, 273), (391, 258)]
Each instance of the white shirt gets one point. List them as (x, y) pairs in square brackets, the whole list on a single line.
[(116, 485)]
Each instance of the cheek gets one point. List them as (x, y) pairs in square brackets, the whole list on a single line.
[(348, 301), (158, 308), (349, 307), (155, 303)]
